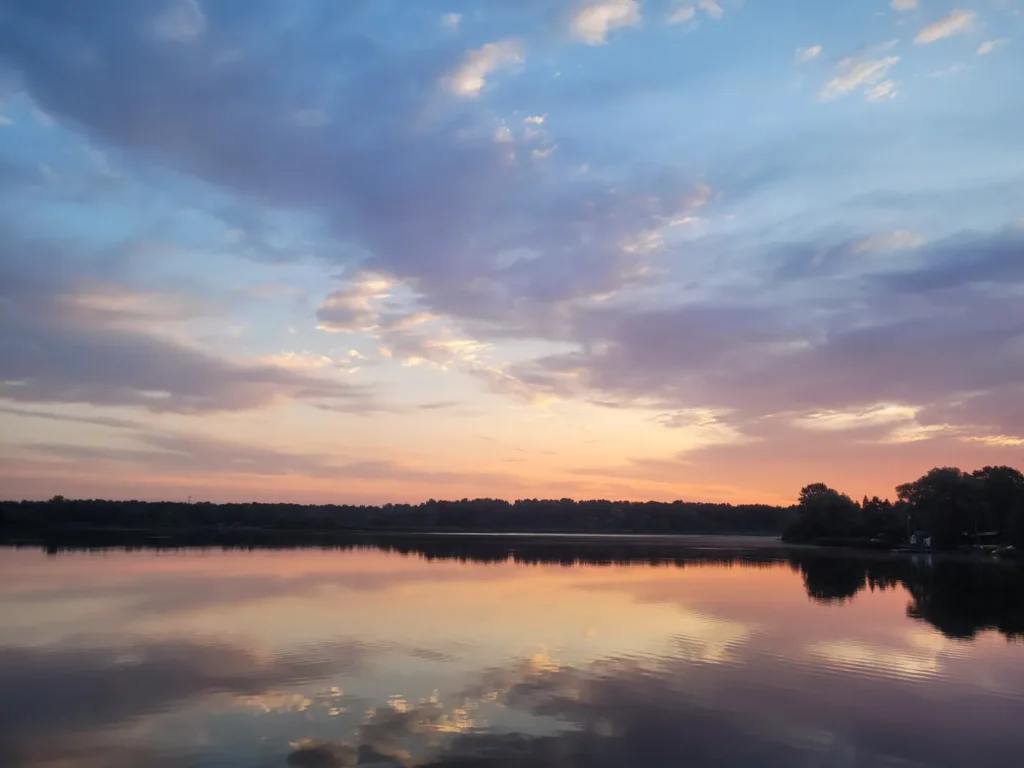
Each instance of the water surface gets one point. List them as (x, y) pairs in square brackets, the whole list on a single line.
[(451, 652)]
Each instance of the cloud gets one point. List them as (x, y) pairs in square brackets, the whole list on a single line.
[(99, 690), (954, 23), (182, 22), (165, 452), (711, 8), (419, 203), (585, 273), (962, 262), (880, 414), (990, 46), (65, 341), (310, 360), (593, 22), (884, 91), (901, 6), (404, 334), (999, 441), (687, 13), (952, 69), (356, 307), (682, 15), (102, 421), (471, 75), (853, 74), (817, 357), (503, 135), (898, 240), (451, 20), (804, 55)]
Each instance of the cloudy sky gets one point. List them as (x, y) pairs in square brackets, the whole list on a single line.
[(387, 250)]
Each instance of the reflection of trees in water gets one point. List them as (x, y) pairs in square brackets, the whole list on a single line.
[(960, 598), (469, 548), (837, 578)]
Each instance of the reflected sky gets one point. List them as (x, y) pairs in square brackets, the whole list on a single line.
[(367, 657)]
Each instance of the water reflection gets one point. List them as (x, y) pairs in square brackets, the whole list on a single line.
[(506, 652), (958, 597)]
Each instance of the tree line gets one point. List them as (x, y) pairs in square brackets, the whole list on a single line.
[(946, 506), (465, 515)]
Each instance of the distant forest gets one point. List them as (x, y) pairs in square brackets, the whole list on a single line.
[(497, 515), (951, 507)]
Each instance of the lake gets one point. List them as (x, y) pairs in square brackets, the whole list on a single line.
[(445, 651)]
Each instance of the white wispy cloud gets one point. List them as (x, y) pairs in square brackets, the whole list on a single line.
[(989, 46), (534, 128), (471, 75), (451, 20), (682, 15), (998, 441), (183, 22), (901, 6), (952, 69), (872, 416), (711, 8), (852, 74), (916, 433), (884, 91), (954, 23), (298, 360), (807, 54), (687, 13), (593, 22), (899, 240)]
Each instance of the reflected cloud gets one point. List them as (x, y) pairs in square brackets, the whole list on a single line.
[(865, 659), (736, 667), (64, 692), (622, 712), (710, 639)]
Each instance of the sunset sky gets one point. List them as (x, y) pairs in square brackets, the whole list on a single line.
[(388, 250)]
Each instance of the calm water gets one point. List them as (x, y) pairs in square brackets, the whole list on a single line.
[(498, 653)]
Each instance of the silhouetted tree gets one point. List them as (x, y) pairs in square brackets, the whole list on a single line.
[(882, 520), (1003, 490), (946, 502), (824, 512)]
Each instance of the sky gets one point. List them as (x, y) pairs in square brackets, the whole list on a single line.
[(391, 250)]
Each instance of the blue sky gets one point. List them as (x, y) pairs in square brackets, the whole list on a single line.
[(382, 250)]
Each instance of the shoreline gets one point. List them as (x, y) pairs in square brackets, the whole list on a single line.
[(568, 543)]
